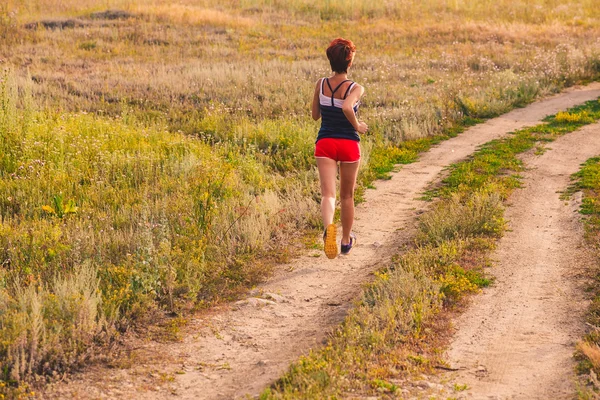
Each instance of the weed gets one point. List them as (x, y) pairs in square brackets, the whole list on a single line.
[(460, 388), (478, 214), (60, 209), (386, 386), (540, 150)]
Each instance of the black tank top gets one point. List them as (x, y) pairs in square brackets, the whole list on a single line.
[(334, 123)]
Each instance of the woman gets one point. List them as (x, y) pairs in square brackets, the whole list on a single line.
[(336, 101)]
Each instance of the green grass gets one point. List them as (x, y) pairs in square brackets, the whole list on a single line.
[(395, 316), (588, 180)]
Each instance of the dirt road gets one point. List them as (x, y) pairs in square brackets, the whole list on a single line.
[(242, 348), (517, 339)]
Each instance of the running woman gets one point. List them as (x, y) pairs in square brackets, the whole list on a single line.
[(336, 102)]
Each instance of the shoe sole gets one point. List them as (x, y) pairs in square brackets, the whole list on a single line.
[(330, 242)]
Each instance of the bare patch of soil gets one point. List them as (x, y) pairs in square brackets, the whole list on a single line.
[(112, 14), (70, 23), (57, 24)]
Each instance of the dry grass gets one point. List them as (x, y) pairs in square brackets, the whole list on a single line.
[(591, 351), (192, 15)]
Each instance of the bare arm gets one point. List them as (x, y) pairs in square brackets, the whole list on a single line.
[(348, 108), (316, 110)]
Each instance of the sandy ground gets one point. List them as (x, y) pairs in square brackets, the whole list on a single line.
[(243, 347), (517, 339)]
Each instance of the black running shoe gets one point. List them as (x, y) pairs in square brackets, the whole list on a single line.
[(347, 247)]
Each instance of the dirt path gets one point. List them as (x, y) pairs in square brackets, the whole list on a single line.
[(516, 341), (243, 347)]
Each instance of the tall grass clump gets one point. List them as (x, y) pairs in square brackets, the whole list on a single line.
[(8, 25), (51, 327), (9, 124)]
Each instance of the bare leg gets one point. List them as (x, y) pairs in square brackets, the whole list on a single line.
[(348, 174), (327, 176)]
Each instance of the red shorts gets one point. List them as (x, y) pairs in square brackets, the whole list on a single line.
[(342, 150)]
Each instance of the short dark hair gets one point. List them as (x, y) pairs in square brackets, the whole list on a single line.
[(340, 53)]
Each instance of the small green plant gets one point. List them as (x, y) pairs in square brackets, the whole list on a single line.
[(540, 150), (60, 208), (88, 45), (382, 384), (417, 359), (455, 283), (460, 388)]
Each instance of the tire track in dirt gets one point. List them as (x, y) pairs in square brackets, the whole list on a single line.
[(516, 341), (242, 348)]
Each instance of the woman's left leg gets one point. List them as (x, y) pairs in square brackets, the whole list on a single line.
[(348, 174), (327, 174)]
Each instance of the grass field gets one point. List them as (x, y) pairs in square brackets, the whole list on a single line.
[(157, 158)]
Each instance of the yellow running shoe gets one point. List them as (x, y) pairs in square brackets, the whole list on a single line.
[(330, 244)]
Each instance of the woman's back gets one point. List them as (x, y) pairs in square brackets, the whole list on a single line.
[(330, 85), (334, 123)]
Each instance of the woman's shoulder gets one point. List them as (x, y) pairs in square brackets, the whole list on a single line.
[(319, 83), (355, 86)]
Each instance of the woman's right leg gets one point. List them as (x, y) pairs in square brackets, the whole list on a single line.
[(348, 174), (327, 176)]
